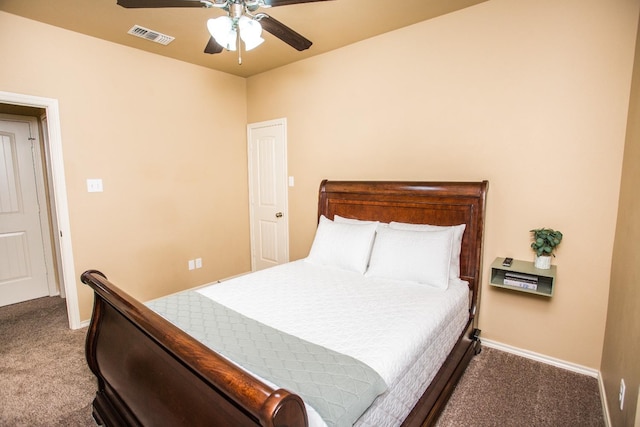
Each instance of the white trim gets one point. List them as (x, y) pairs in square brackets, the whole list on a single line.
[(603, 400), (59, 194), (558, 363), (42, 201), (542, 358), (59, 280)]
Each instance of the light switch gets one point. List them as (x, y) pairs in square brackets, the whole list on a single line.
[(94, 185), (290, 181)]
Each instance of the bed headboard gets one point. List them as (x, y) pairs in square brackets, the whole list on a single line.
[(437, 203)]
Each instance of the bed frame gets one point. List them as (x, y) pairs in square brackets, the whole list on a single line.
[(150, 373)]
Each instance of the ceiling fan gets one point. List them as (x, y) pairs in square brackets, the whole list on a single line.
[(241, 22)]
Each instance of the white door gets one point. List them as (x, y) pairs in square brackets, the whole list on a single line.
[(267, 147), (23, 273)]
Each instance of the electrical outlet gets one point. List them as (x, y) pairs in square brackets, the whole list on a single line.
[(621, 395), (94, 185), (198, 262)]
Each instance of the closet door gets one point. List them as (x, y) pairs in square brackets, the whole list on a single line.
[(267, 148)]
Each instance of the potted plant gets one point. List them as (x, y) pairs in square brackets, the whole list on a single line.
[(544, 243)]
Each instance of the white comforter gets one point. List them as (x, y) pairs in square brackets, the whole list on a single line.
[(389, 325)]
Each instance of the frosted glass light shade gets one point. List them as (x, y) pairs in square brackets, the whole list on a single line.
[(221, 29), (250, 32)]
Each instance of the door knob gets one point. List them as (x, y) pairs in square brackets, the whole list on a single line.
[(279, 215)]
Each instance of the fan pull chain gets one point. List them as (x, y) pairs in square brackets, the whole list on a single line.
[(239, 46)]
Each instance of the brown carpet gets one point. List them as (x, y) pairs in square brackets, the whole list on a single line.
[(502, 389), (45, 381), (44, 378)]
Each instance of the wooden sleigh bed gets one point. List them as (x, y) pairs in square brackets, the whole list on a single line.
[(150, 373)]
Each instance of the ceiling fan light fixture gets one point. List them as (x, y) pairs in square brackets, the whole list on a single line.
[(250, 32), (223, 31), (242, 21)]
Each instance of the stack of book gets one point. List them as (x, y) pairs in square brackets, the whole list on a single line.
[(521, 280)]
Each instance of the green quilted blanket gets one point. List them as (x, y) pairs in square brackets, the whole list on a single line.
[(339, 387)]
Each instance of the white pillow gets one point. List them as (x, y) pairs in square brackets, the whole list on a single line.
[(417, 256), (341, 245), (458, 231), (338, 218)]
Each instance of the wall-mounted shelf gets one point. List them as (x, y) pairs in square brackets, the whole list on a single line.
[(544, 279)]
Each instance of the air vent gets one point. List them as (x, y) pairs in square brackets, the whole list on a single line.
[(154, 36)]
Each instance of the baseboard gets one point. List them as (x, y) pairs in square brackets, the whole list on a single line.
[(573, 367), (542, 358), (603, 401)]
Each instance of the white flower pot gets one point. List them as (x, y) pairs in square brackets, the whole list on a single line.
[(543, 262)]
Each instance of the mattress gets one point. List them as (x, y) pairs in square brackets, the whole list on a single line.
[(403, 330)]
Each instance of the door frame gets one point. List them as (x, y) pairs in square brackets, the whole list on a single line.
[(275, 122), (53, 141)]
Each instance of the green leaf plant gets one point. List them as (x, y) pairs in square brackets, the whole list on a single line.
[(545, 241)]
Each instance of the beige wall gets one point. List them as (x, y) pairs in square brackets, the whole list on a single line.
[(168, 140), (622, 337), (532, 96)]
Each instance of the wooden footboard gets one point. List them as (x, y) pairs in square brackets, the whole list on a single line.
[(150, 373)]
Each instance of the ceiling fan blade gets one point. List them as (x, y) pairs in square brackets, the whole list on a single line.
[(274, 3), (132, 4), (284, 33), (213, 46)]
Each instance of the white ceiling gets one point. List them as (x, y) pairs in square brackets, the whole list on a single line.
[(328, 24)]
